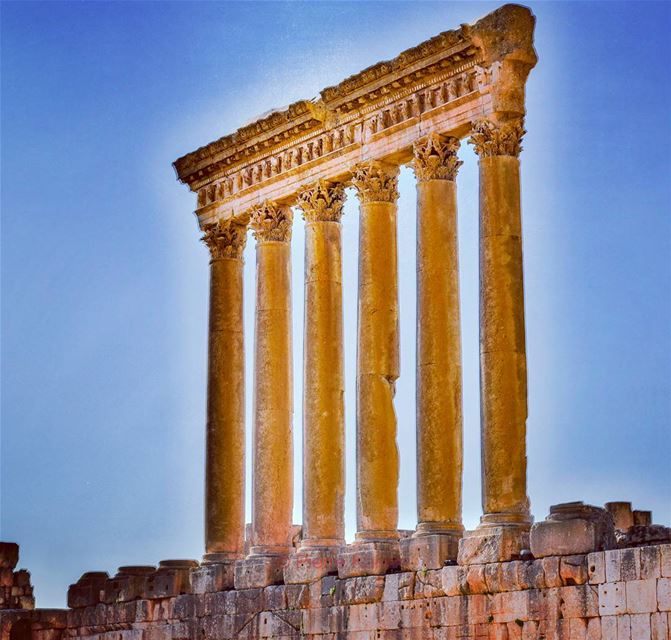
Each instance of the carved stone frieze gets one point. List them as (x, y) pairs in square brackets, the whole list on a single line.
[(492, 139), (435, 158), (271, 222), (322, 201), (225, 238), (375, 182)]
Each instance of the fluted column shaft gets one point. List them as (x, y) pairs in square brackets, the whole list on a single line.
[(272, 491), (377, 353), (503, 369), (439, 396), (323, 380), (225, 437)]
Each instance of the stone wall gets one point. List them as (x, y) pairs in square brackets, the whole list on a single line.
[(619, 594)]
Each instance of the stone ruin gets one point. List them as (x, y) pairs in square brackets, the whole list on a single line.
[(584, 572)]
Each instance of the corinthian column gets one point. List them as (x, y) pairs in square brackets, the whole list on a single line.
[(377, 370), (503, 368), (225, 438), (323, 387), (272, 486), (439, 412)]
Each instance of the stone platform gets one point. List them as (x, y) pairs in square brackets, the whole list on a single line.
[(619, 594)]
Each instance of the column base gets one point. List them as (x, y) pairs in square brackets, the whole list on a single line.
[(429, 550), (258, 571), (311, 563), (369, 559), (216, 573), (492, 542)]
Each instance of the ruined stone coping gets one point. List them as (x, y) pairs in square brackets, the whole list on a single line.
[(392, 145), (308, 114)]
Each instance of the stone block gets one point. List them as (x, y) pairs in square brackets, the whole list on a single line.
[(361, 590), (9, 555), (642, 518), (573, 570), (643, 535), (298, 596), (399, 586), (663, 594), (172, 578), (475, 579), (630, 564), (659, 629), (368, 558), (428, 551), (492, 544), (665, 560), (596, 567), (128, 584), (310, 564), (623, 516), (640, 626), (650, 562), (88, 589), (613, 564), (641, 596), (454, 580), (612, 599), (256, 572), (212, 577), (429, 584), (535, 575), (572, 528), (551, 572)]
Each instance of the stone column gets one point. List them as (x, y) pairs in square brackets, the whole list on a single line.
[(272, 485), (376, 550), (504, 527), (225, 437), (323, 387), (439, 398)]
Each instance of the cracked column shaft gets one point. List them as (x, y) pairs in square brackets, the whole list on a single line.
[(503, 367), (377, 353)]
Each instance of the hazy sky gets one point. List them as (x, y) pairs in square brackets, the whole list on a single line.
[(104, 282)]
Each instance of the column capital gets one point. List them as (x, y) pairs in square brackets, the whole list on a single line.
[(322, 201), (271, 222), (225, 238), (375, 181), (435, 158), (497, 139)]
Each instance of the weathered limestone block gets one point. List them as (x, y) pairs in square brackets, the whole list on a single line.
[(87, 590), (572, 528), (492, 544), (310, 564), (128, 584), (622, 514), (211, 577), (171, 579), (9, 555), (428, 551), (368, 559), (256, 572)]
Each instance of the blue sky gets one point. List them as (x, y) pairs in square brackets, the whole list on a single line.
[(104, 282)]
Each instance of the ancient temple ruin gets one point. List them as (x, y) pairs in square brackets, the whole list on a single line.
[(584, 572)]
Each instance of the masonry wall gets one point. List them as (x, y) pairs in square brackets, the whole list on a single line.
[(623, 594)]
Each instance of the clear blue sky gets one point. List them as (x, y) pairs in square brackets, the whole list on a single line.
[(104, 282)]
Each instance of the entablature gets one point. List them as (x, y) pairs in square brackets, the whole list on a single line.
[(441, 85)]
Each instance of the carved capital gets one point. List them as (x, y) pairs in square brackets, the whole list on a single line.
[(436, 158), (490, 139), (375, 182), (225, 238), (271, 222), (322, 201)]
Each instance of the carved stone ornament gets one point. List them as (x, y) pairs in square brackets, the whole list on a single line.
[(225, 238), (271, 222), (436, 158), (322, 201), (375, 182), (504, 139)]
